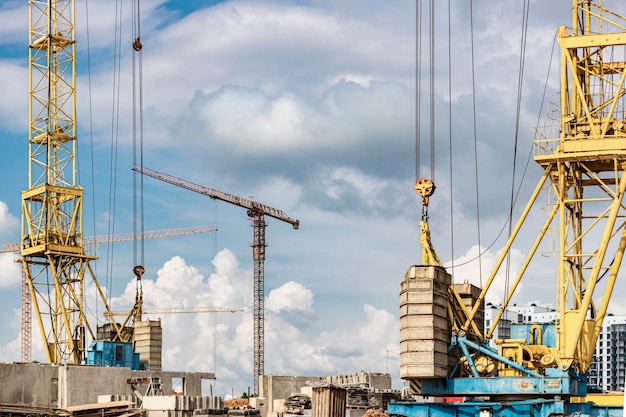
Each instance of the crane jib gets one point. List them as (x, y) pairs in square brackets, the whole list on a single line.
[(252, 205)]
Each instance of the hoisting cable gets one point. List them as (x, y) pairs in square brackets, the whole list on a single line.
[(138, 209), (520, 83), (425, 186), (480, 269), (91, 144), (528, 160), (450, 139), (113, 158), (418, 85), (432, 90)]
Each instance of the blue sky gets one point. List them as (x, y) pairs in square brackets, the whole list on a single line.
[(307, 106)]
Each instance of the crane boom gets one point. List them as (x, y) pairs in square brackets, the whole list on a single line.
[(187, 310), (256, 212), (126, 237), (219, 195)]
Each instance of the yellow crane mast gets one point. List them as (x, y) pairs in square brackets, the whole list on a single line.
[(91, 243), (257, 213), (52, 247)]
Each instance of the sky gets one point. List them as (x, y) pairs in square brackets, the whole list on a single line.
[(308, 106)]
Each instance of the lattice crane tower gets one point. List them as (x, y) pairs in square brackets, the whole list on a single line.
[(53, 256), (256, 212), (90, 243)]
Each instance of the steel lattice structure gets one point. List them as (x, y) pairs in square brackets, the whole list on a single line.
[(53, 256), (584, 171), (256, 212)]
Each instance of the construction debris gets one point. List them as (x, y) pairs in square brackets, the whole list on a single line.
[(375, 413)]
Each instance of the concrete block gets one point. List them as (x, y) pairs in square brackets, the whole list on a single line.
[(160, 402), (257, 402), (433, 346), (158, 413), (279, 405), (105, 399), (355, 412)]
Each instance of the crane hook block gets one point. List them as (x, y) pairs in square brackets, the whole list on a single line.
[(425, 188), (137, 46), (138, 271)]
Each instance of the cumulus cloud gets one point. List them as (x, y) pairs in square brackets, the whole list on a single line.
[(8, 222), (10, 341), (291, 296), (469, 267), (252, 121), (10, 271), (222, 342)]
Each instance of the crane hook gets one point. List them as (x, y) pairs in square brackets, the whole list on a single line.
[(425, 188), (137, 45)]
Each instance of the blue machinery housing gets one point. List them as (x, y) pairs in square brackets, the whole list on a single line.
[(529, 395), (535, 407), (118, 354)]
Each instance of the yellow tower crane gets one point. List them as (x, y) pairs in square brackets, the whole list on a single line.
[(53, 255), (257, 213), (52, 248), (91, 242)]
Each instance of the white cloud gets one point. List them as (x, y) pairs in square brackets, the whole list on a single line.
[(291, 296), (252, 121), (14, 17), (222, 342), (10, 271), (469, 267)]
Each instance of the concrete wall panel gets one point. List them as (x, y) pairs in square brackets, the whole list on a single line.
[(29, 384)]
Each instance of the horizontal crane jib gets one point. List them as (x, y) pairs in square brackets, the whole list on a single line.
[(255, 206)]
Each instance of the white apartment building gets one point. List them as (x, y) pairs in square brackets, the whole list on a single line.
[(608, 366)]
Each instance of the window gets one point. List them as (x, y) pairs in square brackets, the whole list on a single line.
[(119, 353)]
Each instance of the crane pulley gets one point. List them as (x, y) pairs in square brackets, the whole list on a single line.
[(425, 188)]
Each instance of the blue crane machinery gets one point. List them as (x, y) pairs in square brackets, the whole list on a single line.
[(256, 212), (541, 369)]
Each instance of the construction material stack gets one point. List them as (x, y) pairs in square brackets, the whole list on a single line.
[(149, 343), (424, 326)]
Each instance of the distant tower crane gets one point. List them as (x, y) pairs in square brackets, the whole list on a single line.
[(257, 213), (93, 242)]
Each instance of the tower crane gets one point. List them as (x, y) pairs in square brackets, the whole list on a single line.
[(90, 242), (52, 247), (541, 369), (257, 213)]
